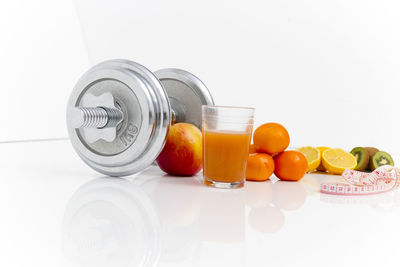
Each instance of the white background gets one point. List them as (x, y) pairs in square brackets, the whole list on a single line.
[(327, 70)]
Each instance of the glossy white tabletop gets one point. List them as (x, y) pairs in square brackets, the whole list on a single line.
[(56, 211)]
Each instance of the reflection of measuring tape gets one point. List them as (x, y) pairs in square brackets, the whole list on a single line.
[(383, 179), (376, 200)]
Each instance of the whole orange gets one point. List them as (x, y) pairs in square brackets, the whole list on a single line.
[(260, 167), (290, 165), (252, 149), (271, 138)]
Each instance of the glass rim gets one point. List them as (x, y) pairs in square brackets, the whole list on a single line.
[(228, 114)]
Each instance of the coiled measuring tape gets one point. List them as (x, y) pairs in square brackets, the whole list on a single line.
[(383, 179)]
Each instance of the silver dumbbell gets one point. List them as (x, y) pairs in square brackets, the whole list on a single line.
[(119, 113)]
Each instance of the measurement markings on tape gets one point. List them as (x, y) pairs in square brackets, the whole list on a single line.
[(383, 179)]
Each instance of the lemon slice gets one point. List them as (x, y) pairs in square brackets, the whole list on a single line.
[(321, 149), (313, 157), (336, 160)]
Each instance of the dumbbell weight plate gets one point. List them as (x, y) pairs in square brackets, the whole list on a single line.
[(147, 115), (186, 94)]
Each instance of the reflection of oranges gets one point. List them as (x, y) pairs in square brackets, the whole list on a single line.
[(258, 195), (290, 165), (271, 138), (260, 167)]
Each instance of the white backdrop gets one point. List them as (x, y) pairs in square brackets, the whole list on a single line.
[(327, 70), (42, 54)]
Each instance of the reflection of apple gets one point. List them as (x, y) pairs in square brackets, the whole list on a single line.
[(258, 194), (182, 153), (178, 205), (268, 219), (288, 195)]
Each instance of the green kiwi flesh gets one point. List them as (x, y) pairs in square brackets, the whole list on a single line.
[(362, 157), (379, 159)]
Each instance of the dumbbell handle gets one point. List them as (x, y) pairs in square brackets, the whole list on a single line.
[(96, 117)]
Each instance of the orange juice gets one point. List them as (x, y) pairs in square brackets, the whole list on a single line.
[(225, 155)]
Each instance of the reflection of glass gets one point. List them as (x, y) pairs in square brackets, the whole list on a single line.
[(226, 138), (111, 222), (221, 228), (222, 216)]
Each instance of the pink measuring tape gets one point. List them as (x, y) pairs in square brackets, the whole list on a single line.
[(383, 179)]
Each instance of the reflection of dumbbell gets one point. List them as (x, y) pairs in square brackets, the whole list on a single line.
[(111, 222), (119, 113)]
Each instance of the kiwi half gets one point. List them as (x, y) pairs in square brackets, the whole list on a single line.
[(371, 150), (379, 159), (362, 157)]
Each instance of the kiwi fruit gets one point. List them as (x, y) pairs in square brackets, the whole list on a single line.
[(371, 150), (362, 157), (380, 158)]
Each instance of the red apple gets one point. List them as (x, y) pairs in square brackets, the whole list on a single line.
[(182, 153)]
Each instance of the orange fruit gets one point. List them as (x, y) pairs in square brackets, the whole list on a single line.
[(290, 165), (260, 167), (252, 149), (271, 138)]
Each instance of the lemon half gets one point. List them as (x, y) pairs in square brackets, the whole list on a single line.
[(313, 156), (336, 160), (321, 149)]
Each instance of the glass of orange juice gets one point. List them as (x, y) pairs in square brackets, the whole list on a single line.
[(226, 139)]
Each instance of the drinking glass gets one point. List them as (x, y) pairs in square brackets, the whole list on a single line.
[(226, 139)]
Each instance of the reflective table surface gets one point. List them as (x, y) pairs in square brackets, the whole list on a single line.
[(56, 211)]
